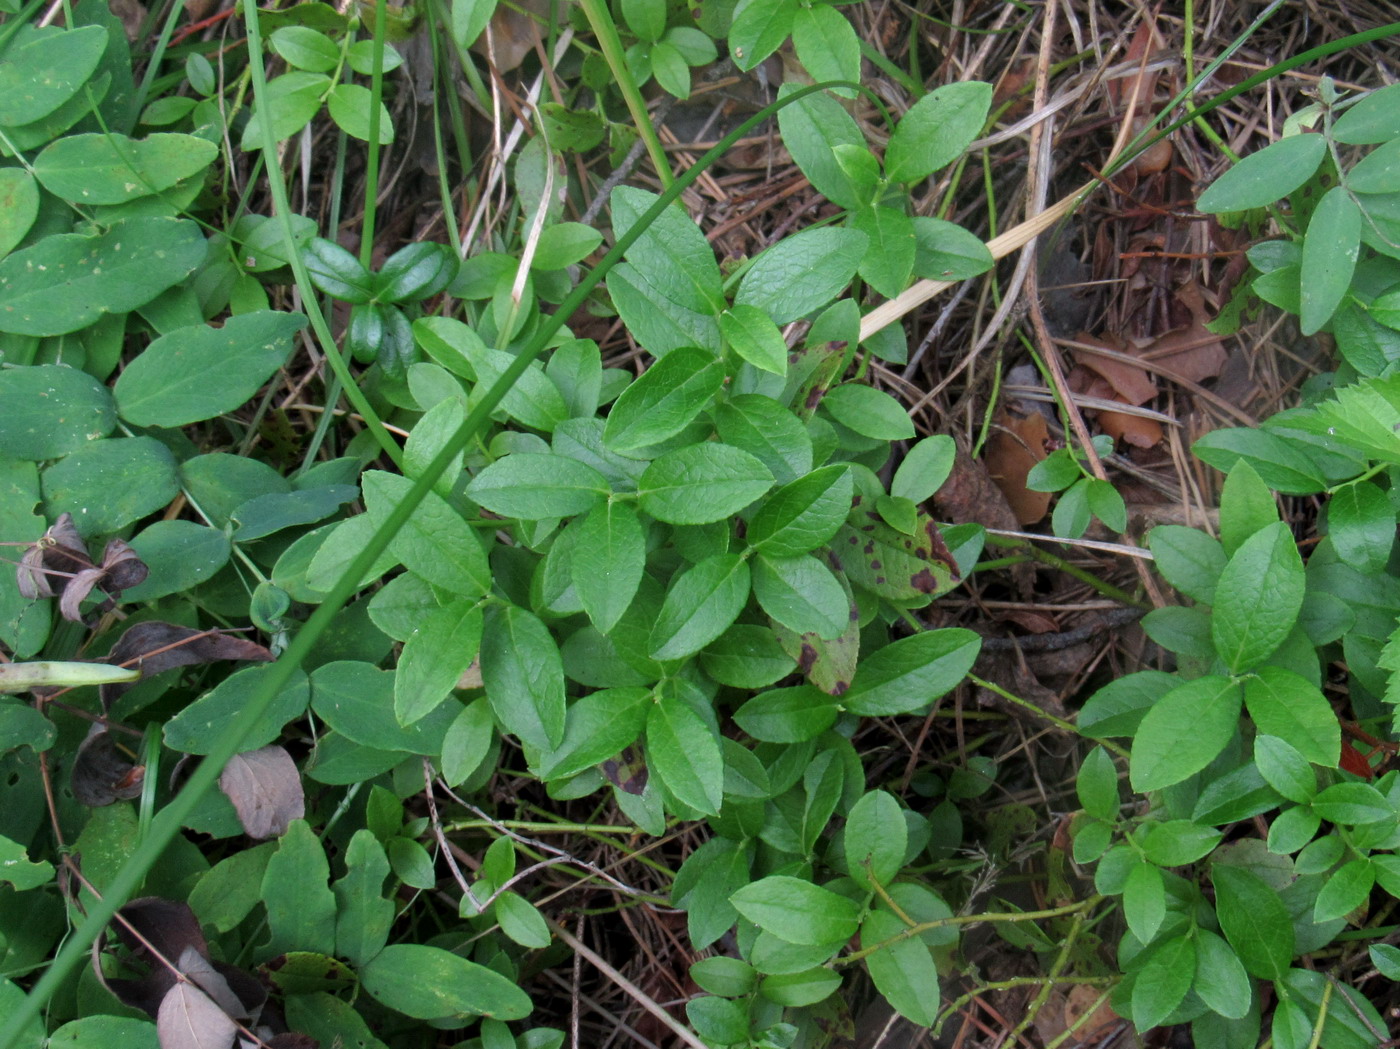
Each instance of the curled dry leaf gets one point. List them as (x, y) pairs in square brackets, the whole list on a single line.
[(59, 565), (102, 773), (158, 646), (171, 930), (188, 1019), (265, 789)]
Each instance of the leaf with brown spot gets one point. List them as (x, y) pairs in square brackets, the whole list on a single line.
[(895, 566), (265, 789), (828, 664)]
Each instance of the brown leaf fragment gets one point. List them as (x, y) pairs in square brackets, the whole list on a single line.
[(188, 1019), (124, 567), (1130, 383), (292, 1040), (171, 930), (103, 774), (265, 789), (213, 983), (76, 592), (157, 646), (58, 563), (628, 771), (1017, 444)]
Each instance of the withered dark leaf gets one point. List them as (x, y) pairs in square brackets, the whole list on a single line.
[(75, 592), (101, 773), (627, 771), (292, 1040), (32, 579), (160, 646), (188, 1019), (56, 555), (171, 929), (209, 980), (124, 567), (265, 789)]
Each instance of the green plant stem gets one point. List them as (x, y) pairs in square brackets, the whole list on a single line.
[(376, 92), (1020, 981), (1060, 723), (539, 827), (1060, 564), (600, 21), (167, 823)]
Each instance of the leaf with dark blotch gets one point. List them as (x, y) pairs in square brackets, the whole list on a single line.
[(159, 646), (188, 1019), (889, 563), (101, 773), (265, 790), (827, 664), (627, 771), (171, 930)]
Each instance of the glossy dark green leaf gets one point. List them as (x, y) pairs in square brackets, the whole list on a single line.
[(1184, 731), (702, 483), (661, 403), (683, 751), (416, 272), (912, 672), (197, 373), (1258, 598), (524, 676)]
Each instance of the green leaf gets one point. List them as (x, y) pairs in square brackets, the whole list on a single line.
[(363, 915), (827, 46), (113, 169), (1344, 890), (18, 869), (521, 922), (1279, 463), (1329, 257), (703, 886), (565, 244), (1246, 505), (350, 107), (902, 969), (1254, 921), (912, 672), (109, 484), (416, 272), (468, 741), (1290, 707), (815, 130), (802, 594), (803, 515), (889, 257), (802, 273), (683, 751), (196, 729), (924, 468), (1188, 559), (1353, 804), (875, 839), (752, 334), (193, 374), (937, 129), (429, 983), (1386, 959), (23, 726), (597, 727), (44, 68), (796, 911), (442, 647), (356, 699), (19, 207), (67, 281), (807, 987), (1258, 598), (1184, 731), (534, 486), (1264, 177), (1162, 983), (702, 483), (672, 251), (524, 676), (945, 251), (300, 906), (869, 412), (469, 18), (436, 542), (1361, 522), (1097, 785), (719, 1021), (292, 99), (667, 397), (768, 431), (337, 272), (1372, 119), (787, 715), (1144, 900), (1176, 843), (700, 605), (758, 29), (50, 410), (609, 558), (1220, 979), (305, 48)]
